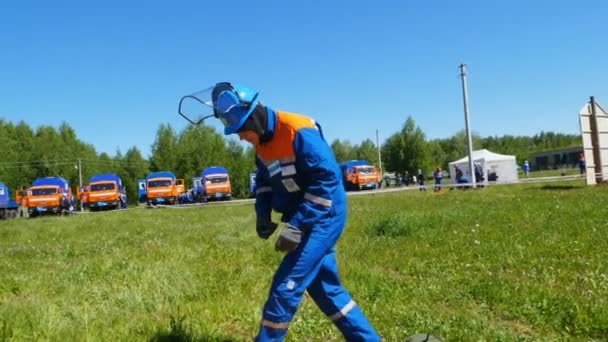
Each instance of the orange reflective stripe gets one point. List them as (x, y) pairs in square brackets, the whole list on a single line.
[(274, 325)]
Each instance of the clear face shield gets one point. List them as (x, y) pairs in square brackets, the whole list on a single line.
[(221, 101), (197, 106)]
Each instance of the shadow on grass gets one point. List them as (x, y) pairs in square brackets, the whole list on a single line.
[(180, 332), (559, 187)]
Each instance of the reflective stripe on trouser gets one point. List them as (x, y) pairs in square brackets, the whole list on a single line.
[(331, 297), (313, 266)]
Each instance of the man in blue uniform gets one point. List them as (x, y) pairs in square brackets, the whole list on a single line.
[(581, 163), (297, 176), (438, 175), (526, 168)]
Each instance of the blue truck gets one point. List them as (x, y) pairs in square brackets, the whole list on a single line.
[(213, 184), (106, 191), (252, 185), (51, 195), (8, 208), (163, 187), (142, 193)]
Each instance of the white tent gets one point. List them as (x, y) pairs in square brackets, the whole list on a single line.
[(504, 166)]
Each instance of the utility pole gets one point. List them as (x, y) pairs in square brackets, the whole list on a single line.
[(465, 99), (80, 182), (379, 154)]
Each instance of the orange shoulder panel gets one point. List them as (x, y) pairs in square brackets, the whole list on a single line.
[(281, 145)]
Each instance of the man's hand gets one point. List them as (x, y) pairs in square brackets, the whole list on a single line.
[(265, 228), (289, 239)]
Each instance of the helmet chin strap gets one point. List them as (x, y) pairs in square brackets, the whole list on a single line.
[(265, 133), (258, 123)]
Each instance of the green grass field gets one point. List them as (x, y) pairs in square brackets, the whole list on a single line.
[(505, 263)]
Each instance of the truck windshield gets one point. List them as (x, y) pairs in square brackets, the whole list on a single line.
[(102, 187), (213, 180), (44, 191), (366, 170), (157, 183)]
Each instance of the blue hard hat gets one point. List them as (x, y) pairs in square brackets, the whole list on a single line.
[(233, 104)]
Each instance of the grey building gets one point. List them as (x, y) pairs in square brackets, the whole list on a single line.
[(554, 159)]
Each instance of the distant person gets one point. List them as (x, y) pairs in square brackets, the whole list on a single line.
[(492, 176), (479, 177), (526, 168), (581, 163), (461, 179), (23, 204), (464, 182), (458, 173), (421, 180), (438, 176)]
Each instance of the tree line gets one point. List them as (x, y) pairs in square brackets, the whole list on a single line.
[(28, 153), (409, 150)]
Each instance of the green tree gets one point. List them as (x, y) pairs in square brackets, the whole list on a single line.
[(343, 150), (406, 150), (367, 151), (134, 167), (436, 157), (23, 173), (456, 146), (199, 147), (48, 156), (164, 149), (9, 154)]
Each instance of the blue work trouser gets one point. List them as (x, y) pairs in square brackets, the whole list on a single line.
[(312, 266)]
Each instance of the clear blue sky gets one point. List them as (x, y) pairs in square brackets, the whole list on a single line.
[(115, 72)]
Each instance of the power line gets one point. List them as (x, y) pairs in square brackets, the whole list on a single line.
[(39, 161), (50, 163), (36, 165)]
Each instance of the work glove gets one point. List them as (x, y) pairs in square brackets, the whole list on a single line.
[(289, 239), (265, 228)]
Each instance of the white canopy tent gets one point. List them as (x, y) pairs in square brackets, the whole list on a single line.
[(504, 166)]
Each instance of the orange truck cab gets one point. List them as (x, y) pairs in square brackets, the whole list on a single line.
[(163, 188), (181, 186), (359, 175), (50, 195), (82, 194), (105, 191), (21, 197)]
